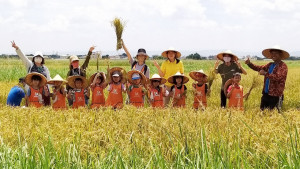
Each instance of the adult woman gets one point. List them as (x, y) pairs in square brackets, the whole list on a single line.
[(169, 67), (229, 67), (36, 65)]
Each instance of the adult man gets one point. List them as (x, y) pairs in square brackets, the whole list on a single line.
[(275, 74)]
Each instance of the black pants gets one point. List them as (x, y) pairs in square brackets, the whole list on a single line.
[(268, 102), (223, 99)]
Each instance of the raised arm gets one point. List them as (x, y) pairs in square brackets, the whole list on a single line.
[(88, 57), (241, 67), (256, 67), (161, 74), (27, 63), (127, 52)]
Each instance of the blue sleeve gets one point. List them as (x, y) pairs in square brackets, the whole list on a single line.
[(28, 92), (21, 93)]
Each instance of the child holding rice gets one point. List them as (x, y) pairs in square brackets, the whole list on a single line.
[(97, 85), (178, 90), (79, 92), (116, 86), (201, 89), (157, 91), (136, 91), (59, 92), (37, 88)]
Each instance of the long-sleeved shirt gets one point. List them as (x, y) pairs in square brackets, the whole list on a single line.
[(276, 79)]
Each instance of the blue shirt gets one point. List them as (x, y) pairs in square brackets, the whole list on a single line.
[(15, 96), (271, 68)]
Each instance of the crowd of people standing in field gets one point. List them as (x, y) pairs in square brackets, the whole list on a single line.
[(166, 87)]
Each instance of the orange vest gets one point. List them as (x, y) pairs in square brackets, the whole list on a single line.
[(34, 97), (179, 102), (158, 99), (136, 97), (98, 99), (200, 97), (79, 99), (60, 102), (115, 98), (236, 98)]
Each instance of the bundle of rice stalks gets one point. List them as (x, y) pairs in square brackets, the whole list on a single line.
[(211, 77), (119, 27), (256, 81)]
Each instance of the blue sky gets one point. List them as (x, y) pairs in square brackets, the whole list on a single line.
[(71, 26)]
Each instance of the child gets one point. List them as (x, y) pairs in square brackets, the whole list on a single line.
[(156, 92), (16, 94), (59, 92), (135, 90), (178, 90), (78, 93), (116, 87), (97, 86), (37, 88), (200, 88), (235, 93)]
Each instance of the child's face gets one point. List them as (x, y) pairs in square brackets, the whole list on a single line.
[(141, 58), (78, 84), (35, 83), (57, 84), (155, 83), (136, 81), (178, 80), (116, 79), (236, 79), (98, 80), (201, 78)]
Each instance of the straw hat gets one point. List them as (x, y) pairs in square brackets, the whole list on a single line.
[(195, 74), (142, 52), (178, 54), (73, 58), (71, 81), (178, 74), (267, 53), (93, 76), (57, 78), (157, 77), (229, 52), (121, 73), (131, 73), (28, 79)]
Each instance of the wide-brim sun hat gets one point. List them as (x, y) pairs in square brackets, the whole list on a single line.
[(121, 71), (178, 74), (157, 77), (178, 54), (142, 52), (229, 52), (133, 72), (194, 74), (57, 78), (73, 58), (71, 81), (94, 75), (28, 79), (267, 54)]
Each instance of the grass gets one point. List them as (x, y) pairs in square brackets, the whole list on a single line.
[(148, 138)]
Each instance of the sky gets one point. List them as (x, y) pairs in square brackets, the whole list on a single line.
[(72, 26)]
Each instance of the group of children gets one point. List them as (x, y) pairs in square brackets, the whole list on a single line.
[(135, 84)]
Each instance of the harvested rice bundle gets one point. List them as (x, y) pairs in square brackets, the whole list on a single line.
[(119, 27), (256, 81), (211, 77)]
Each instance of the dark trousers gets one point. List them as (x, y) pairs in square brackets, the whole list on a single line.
[(223, 99), (268, 102)]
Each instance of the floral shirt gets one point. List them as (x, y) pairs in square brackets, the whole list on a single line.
[(277, 77)]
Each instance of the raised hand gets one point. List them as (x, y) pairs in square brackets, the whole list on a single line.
[(156, 64), (92, 48), (13, 44), (247, 61)]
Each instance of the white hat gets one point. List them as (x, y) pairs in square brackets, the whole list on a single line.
[(267, 53), (57, 78), (229, 52), (194, 74), (164, 54), (38, 53), (157, 77), (73, 58), (178, 74)]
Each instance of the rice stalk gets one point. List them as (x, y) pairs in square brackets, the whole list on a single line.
[(211, 77), (118, 25)]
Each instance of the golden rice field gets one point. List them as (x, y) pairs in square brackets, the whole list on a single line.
[(151, 138)]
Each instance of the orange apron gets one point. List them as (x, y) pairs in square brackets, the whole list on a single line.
[(136, 97), (61, 100), (79, 99), (179, 102), (115, 98), (236, 98), (158, 100), (200, 97), (34, 97), (98, 99)]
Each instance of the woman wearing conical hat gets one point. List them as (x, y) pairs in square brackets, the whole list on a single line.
[(169, 67), (275, 74), (229, 66)]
